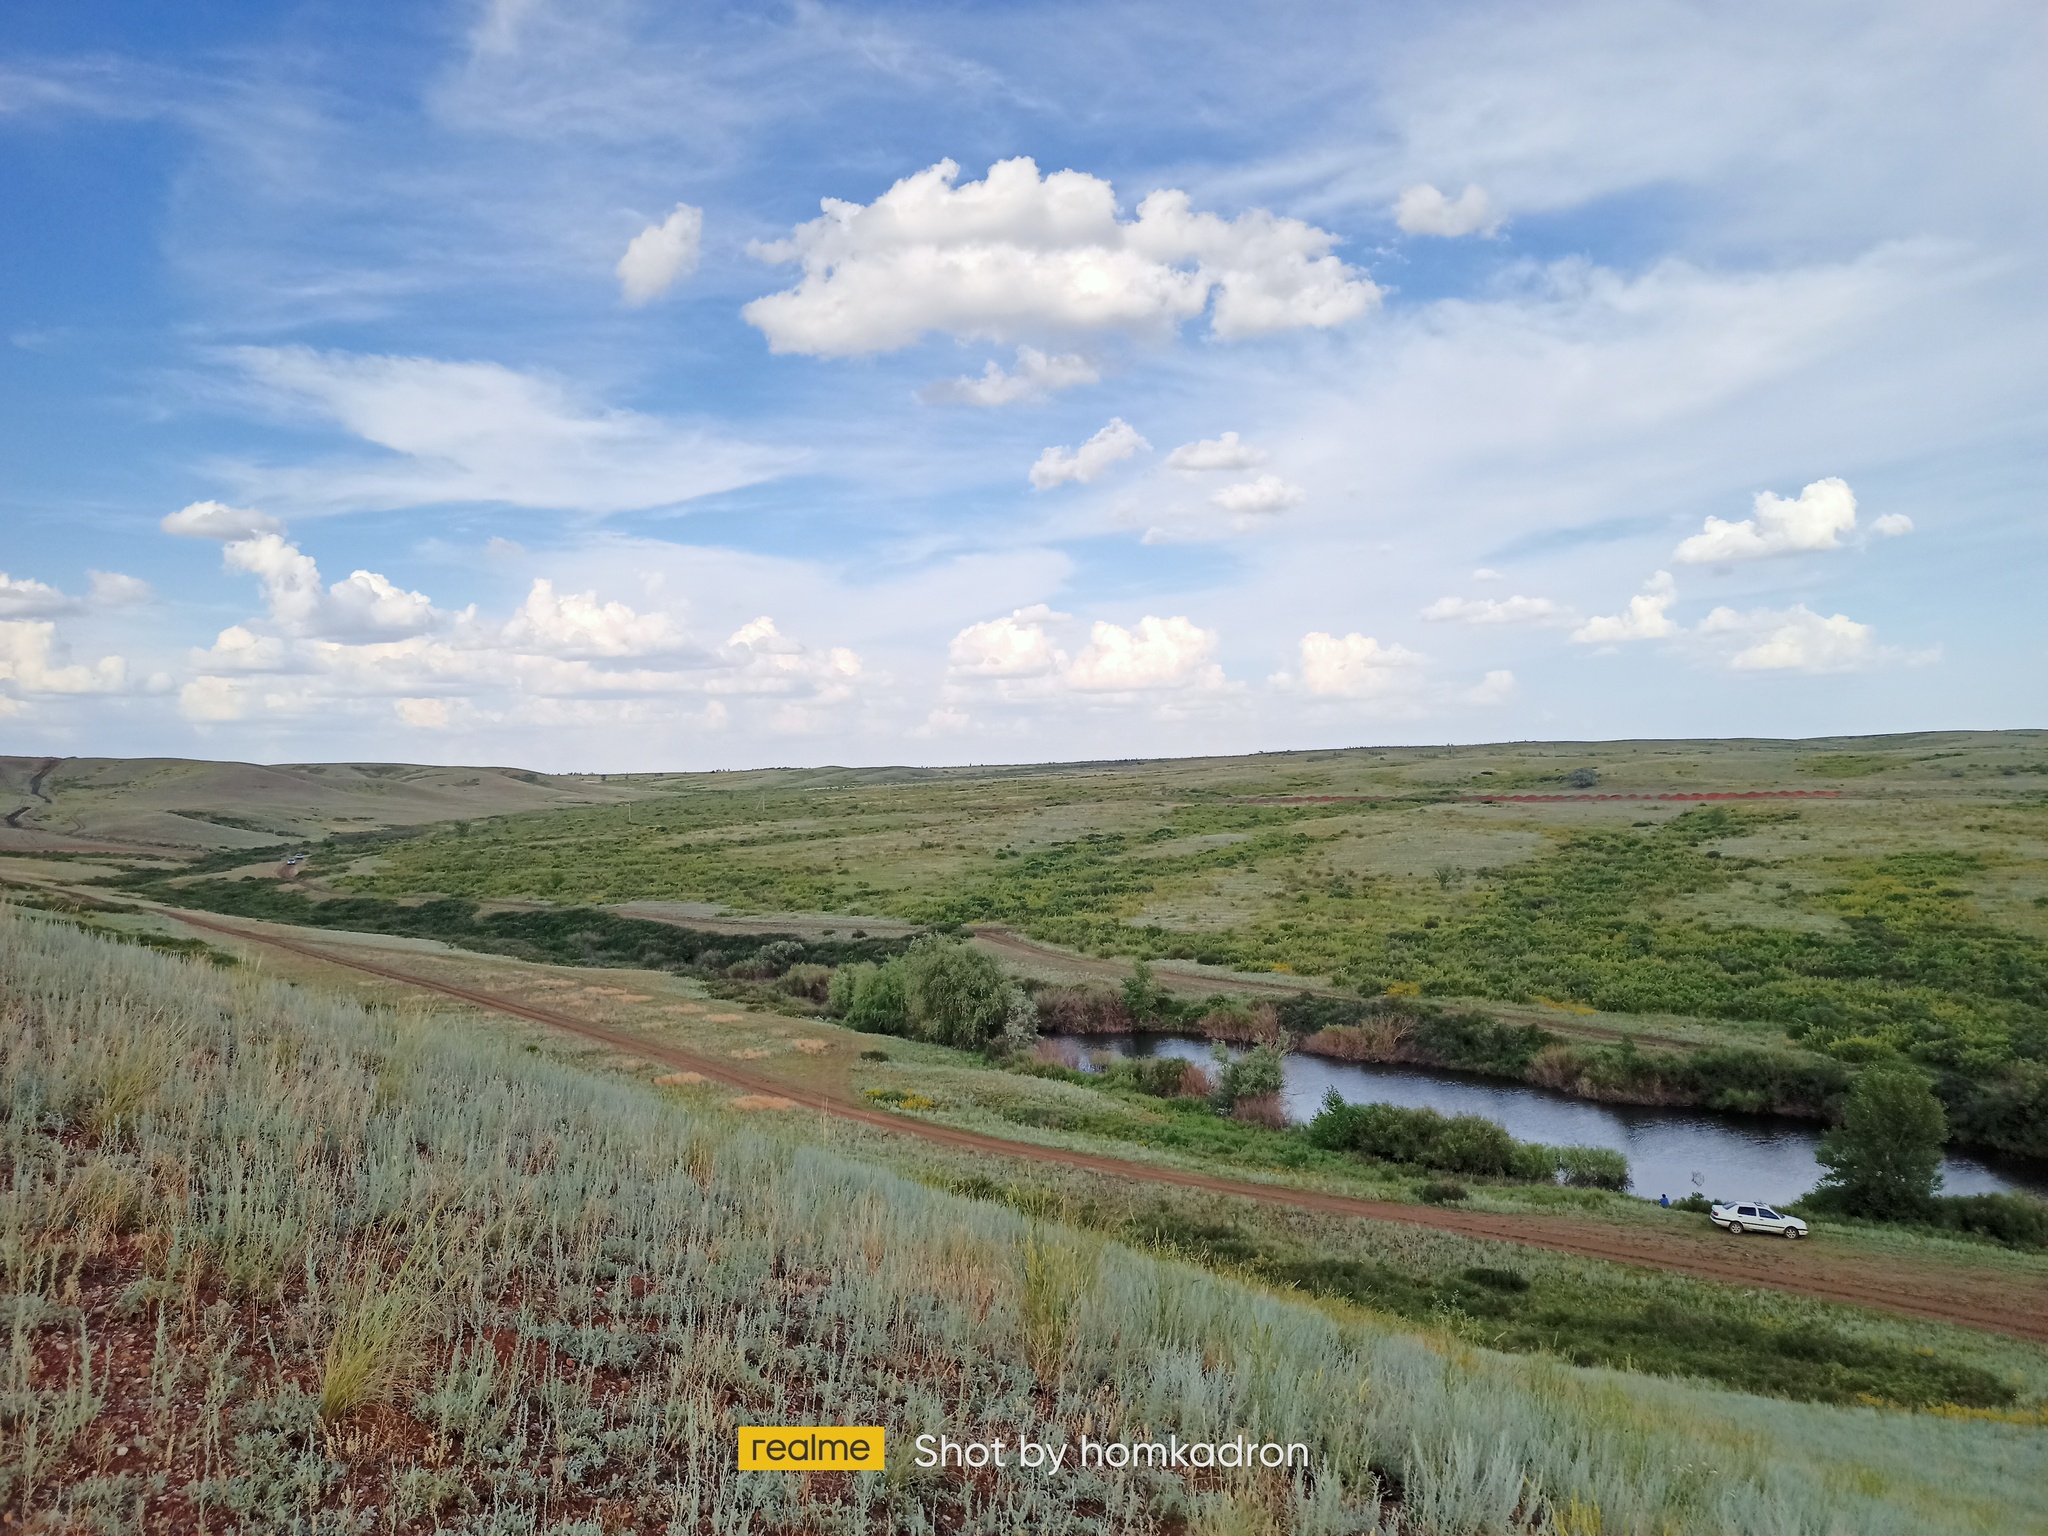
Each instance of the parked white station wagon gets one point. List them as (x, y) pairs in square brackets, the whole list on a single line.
[(1756, 1218)]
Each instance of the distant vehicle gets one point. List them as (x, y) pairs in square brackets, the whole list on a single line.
[(1739, 1219)]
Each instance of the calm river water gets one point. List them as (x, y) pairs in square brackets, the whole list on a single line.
[(1669, 1151)]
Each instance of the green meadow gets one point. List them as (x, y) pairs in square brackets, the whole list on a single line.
[(1902, 911), (273, 1261)]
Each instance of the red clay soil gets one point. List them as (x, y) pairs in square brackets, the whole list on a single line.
[(1997, 1303)]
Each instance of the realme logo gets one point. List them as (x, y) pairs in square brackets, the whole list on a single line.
[(810, 1448)]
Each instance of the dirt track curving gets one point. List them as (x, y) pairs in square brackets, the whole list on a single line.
[(1975, 1298)]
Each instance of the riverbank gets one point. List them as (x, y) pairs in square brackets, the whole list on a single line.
[(1733, 1080), (1671, 1151)]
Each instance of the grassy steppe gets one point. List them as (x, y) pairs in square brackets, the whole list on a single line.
[(299, 1265), (1908, 915)]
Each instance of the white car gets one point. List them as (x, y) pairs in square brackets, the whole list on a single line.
[(1756, 1218)]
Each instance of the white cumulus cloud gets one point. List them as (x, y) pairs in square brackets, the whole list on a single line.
[(111, 589), (368, 649), (31, 661), (661, 254), (1423, 210), (1794, 639), (1495, 688), (1016, 256), (1489, 610), (1016, 646), (1215, 453), (1817, 519), (1892, 525), (1265, 495), (27, 598), (1353, 666), (1156, 653), (1037, 375), (364, 603), (217, 520), (1644, 618), (1059, 466), (577, 624)]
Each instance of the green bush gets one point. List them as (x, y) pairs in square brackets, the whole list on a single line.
[(938, 990), (1465, 1144), (2009, 1111), (1478, 1042), (1257, 1072), (874, 998), (1162, 1077), (553, 936), (1593, 1167), (956, 995), (2015, 1220), (808, 981)]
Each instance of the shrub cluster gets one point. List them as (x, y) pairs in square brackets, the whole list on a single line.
[(1163, 1077), (1464, 1144), (2015, 1220), (1258, 1073), (939, 990), (556, 936), (1729, 1078)]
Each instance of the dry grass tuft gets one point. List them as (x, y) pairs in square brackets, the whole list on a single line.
[(1057, 1273), (375, 1348)]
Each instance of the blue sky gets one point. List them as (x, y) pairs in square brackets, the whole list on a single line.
[(613, 385)]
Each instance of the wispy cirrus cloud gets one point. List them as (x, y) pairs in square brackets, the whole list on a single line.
[(480, 432)]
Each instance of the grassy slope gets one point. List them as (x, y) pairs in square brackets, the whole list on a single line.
[(1911, 914), (178, 802), (556, 1295)]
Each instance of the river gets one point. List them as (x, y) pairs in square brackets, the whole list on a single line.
[(1670, 1151)]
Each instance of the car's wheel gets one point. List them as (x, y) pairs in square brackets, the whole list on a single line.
[(1735, 1229), (1792, 1232)]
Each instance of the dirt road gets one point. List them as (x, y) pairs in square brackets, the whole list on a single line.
[(1974, 1298)]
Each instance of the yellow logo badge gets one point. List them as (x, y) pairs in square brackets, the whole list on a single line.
[(811, 1448)]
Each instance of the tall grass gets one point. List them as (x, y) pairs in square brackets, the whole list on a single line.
[(595, 1288)]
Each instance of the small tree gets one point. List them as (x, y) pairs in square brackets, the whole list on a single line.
[(1142, 995), (956, 995), (876, 1001), (1884, 1159), (1257, 1071)]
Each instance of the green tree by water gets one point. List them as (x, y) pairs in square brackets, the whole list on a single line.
[(1258, 1071), (1884, 1159), (1142, 995), (937, 990), (954, 994)]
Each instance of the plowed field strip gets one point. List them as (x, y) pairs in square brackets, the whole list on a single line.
[(1994, 1303)]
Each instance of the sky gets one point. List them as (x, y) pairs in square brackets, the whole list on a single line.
[(610, 386)]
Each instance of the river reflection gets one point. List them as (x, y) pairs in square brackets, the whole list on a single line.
[(1670, 1151)]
